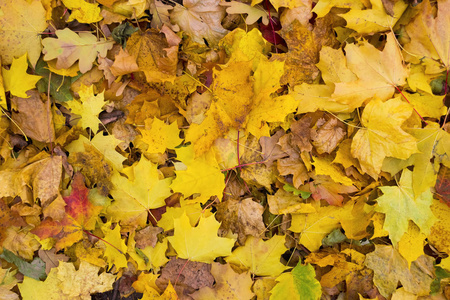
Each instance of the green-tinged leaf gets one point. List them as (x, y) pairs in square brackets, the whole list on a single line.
[(35, 269), (298, 285)]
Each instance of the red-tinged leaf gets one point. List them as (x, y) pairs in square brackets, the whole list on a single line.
[(78, 205), (80, 216), (443, 185)]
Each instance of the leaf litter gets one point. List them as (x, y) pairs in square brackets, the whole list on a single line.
[(224, 150)]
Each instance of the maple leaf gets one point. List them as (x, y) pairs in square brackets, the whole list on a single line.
[(70, 47), (31, 117), (324, 6), (390, 268), (374, 20), (16, 79), (200, 19), (42, 172), (278, 3), (83, 11), (253, 12), (429, 35), (300, 283), (382, 72), (432, 143), (261, 258), (399, 204), (241, 217), (134, 196), (383, 135), (154, 55), (229, 285), (199, 175), (80, 215), (115, 246), (20, 26), (159, 136), (64, 282), (411, 244), (124, 63), (234, 93), (88, 107), (199, 243), (105, 144)]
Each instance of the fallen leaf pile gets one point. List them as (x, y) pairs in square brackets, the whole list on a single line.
[(211, 149)]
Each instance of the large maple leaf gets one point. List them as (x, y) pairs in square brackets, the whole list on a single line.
[(21, 23), (378, 72), (144, 189), (199, 243), (429, 35), (199, 175), (383, 135), (81, 215), (64, 282), (260, 257), (400, 205)]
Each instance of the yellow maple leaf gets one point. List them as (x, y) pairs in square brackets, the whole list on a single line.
[(105, 144), (323, 7), (390, 267), (400, 205), (70, 47), (232, 87), (83, 11), (199, 175), (88, 107), (378, 72), (433, 144), (281, 3), (429, 35), (411, 244), (17, 80), (64, 282), (315, 226), (21, 23), (199, 243), (376, 19), (193, 210), (261, 258), (159, 136), (115, 247), (382, 135), (135, 196)]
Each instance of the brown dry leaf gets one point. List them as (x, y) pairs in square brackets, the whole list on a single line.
[(147, 236), (124, 63), (328, 136), (293, 165), (271, 150), (51, 258), (242, 217), (33, 118), (189, 275)]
